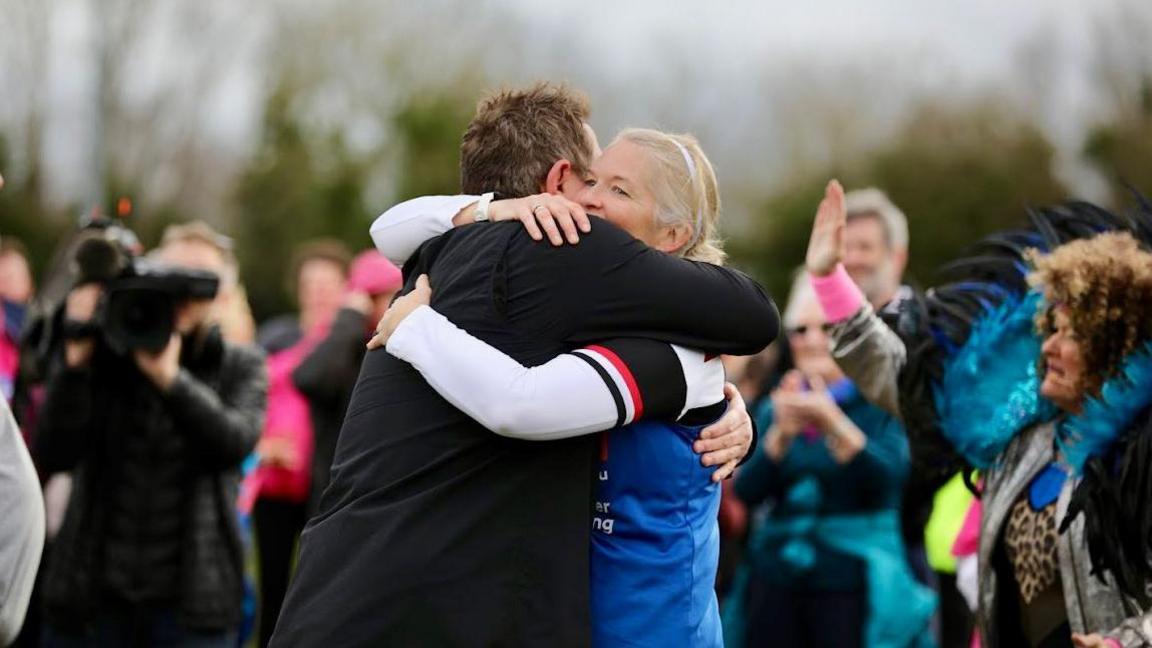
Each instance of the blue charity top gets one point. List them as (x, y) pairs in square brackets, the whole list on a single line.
[(655, 540)]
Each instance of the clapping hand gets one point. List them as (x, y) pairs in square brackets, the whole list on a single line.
[(827, 232), (814, 406), (786, 420), (795, 407)]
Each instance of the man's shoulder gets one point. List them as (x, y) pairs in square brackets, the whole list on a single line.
[(463, 242), (242, 358), (515, 239), (245, 352), (603, 243)]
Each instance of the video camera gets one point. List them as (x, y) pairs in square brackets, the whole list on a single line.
[(138, 309)]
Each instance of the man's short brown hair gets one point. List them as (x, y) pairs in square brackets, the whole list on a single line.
[(517, 135)]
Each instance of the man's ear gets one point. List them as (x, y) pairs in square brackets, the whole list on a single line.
[(900, 263), (673, 238), (554, 181)]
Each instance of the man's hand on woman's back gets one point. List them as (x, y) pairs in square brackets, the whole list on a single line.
[(725, 443)]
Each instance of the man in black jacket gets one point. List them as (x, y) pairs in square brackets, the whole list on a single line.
[(436, 532), (149, 551)]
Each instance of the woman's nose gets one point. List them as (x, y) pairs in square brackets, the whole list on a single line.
[(590, 199)]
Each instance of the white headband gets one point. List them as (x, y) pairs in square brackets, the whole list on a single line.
[(697, 230)]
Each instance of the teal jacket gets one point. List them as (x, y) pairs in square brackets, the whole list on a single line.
[(808, 481), (836, 526)]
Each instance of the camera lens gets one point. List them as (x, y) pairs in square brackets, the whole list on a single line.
[(139, 318)]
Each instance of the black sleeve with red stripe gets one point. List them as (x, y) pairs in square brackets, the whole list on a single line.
[(645, 377)]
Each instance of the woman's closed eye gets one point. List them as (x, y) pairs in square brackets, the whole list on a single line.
[(619, 190)]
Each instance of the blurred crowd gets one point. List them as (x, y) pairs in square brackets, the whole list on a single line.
[(168, 450), (220, 437), (310, 362), (819, 596)]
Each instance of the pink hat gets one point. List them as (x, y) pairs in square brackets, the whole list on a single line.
[(373, 274)]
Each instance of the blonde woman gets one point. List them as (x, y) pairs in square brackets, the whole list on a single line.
[(655, 542)]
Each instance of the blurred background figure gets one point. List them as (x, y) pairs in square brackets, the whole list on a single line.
[(286, 449), (875, 254), (16, 289), (198, 245), (16, 284), (831, 469), (148, 552), (754, 376), (327, 375), (876, 248)]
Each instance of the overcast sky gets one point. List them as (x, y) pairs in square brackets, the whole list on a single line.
[(725, 70)]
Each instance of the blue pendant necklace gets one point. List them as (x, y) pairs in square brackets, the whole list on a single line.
[(1045, 487)]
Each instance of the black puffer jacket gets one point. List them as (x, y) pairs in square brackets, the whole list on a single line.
[(152, 513)]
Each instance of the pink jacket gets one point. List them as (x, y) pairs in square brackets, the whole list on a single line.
[(288, 418)]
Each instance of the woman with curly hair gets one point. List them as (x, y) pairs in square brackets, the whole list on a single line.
[(1043, 382)]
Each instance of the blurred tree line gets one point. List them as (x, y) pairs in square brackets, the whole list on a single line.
[(300, 185), (957, 170), (1122, 149), (304, 185), (312, 172)]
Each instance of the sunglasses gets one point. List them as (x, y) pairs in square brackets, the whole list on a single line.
[(802, 329)]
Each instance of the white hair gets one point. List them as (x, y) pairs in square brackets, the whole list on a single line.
[(799, 297), (872, 201), (684, 186)]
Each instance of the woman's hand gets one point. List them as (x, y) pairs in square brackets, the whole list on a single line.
[(786, 421), (816, 406), (550, 212), (400, 309), (277, 452), (785, 416), (844, 439), (827, 232)]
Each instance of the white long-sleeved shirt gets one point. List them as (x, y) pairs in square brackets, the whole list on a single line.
[(591, 389), (398, 232)]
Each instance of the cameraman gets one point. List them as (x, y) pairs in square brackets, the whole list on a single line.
[(149, 551)]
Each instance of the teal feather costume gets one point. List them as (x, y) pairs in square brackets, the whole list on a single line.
[(971, 384)]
